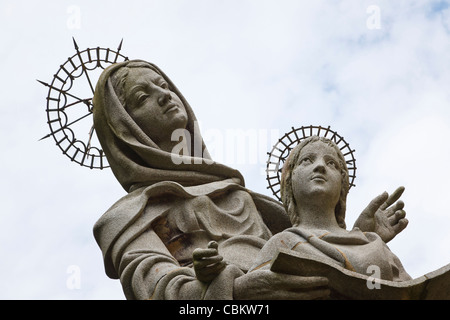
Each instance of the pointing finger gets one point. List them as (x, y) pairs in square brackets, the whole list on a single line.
[(393, 197), (376, 203)]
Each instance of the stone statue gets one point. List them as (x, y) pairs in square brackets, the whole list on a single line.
[(189, 229), (314, 187)]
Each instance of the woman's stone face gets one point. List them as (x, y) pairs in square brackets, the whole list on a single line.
[(152, 105), (317, 172)]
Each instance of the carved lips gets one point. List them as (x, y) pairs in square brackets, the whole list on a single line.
[(318, 177), (171, 107)]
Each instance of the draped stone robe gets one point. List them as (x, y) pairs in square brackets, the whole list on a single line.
[(147, 237)]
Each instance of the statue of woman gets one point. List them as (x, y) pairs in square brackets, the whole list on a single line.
[(314, 187), (176, 205)]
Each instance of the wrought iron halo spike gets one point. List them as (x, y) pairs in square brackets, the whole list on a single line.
[(75, 44)]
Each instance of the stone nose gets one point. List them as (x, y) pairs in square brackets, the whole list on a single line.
[(319, 166), (164, 97)]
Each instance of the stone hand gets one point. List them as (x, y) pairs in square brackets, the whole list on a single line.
[(384, 216), (207, 262), (268, 285)]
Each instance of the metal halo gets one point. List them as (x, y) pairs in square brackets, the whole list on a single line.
[(280, 152), (63, 103)]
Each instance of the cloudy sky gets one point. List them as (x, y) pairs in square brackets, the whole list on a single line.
[(375, 71)]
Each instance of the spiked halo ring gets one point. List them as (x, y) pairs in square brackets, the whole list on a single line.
[(69, 104)]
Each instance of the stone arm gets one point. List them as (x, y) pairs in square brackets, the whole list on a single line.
[(147, 270), (143, 264)]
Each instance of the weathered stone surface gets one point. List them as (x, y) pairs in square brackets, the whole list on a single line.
[(189, 228)]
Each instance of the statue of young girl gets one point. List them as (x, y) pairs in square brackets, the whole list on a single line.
[(314, 187)]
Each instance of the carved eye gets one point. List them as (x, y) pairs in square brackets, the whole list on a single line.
[(164, 85), (141, 98), (333, 163), (306, 160)]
